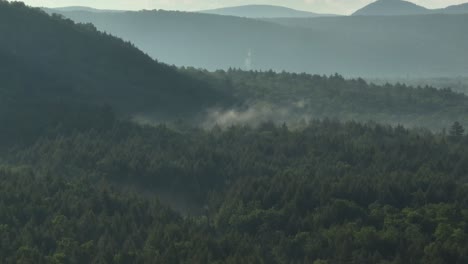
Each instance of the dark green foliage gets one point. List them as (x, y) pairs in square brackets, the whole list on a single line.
[(53, 220), (333, 192), (457, 130), (304, 96)]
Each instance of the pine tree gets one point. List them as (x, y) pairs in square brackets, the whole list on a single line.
[(457, 130)]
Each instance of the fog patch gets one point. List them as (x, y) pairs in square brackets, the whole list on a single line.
[(258, 113), (294, 114)]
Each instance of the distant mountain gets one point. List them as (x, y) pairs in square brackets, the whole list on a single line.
[(261, 11), (83, 8), (391, 8), (400, 7), (365, 46), (456, 9)]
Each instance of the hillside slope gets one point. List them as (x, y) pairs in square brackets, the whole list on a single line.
[(77, 63)]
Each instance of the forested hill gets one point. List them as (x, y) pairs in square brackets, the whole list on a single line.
[(294, 98), (50, 56), (51, 67)]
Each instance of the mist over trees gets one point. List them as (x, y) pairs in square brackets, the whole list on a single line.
[(298, 98)]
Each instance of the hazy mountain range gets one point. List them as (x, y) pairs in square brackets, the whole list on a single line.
[(377, 8), (366, 46), (399, 7)]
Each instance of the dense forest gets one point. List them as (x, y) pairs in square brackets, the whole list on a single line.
[(459, 84), (329, 193), (81, 182), (298, 98)]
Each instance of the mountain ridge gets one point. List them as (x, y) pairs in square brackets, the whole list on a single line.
[(391, 7), (456, 9), (401, 7), (377, 8), (383, 46), (261, 11), (82, 8)]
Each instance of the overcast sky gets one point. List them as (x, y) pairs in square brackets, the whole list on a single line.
[(321, 6)]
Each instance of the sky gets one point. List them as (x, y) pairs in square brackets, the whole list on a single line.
[(320, 6)]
